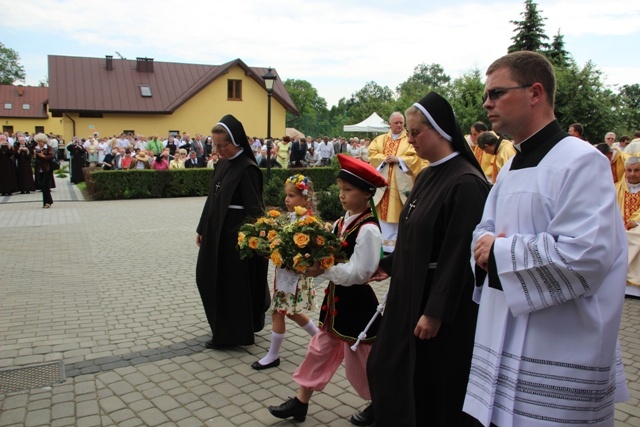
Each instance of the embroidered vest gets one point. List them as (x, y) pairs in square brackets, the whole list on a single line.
[(346, 310)]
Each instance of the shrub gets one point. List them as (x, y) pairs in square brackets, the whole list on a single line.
[(273, 193), (147, 183), (329, 205)]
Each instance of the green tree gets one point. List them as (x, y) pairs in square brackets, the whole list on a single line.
[(424, 79), (557, 53), (372, 97), (582, 96), (629, 108), (10, 69), (530, 33), (312, 107), (465, 96)]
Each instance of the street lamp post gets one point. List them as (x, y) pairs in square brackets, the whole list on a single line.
[(269, 81)]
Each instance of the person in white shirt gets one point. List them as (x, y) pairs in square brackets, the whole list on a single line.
[(325, 151)]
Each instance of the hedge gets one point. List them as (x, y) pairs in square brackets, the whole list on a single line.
[(145, 183)]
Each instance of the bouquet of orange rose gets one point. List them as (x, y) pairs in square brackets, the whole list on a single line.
[(301, 243), (256, 238)]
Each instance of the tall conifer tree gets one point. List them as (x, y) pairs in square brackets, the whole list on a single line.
[(530, 31)]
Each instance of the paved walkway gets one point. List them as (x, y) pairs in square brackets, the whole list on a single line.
[(108, 289)]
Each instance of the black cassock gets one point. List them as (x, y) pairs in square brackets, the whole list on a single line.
[(25, 172), (234, 292), (8, 182), (423, 382), (77, 162)]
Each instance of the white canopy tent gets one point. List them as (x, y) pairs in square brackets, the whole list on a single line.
[(373, 123)]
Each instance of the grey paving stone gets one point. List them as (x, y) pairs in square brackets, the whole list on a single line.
[(38, 417), (153, 417), (111, 404), (63, 410), (91, 421), (13, 416), (87, 409)]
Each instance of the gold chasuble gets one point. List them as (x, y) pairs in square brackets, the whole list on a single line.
[(485, 159), (505, 152), (389, 201), (630, 209), (629, 203), (617, 164)]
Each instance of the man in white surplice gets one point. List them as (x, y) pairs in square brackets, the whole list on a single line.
[(550, 258)]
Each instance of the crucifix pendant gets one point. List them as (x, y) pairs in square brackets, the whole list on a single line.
[(218, 185), (412, 206)]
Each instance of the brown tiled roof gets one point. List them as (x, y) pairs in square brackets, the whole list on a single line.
[(35, 96), (85, 85)]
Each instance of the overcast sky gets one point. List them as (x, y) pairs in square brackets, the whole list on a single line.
[(337, 46)]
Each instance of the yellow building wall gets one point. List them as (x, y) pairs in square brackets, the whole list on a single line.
[(198, 115), (52, 124)]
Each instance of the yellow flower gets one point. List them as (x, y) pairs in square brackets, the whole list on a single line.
[(260, 221), (300, 210), (253, 242), (241, 237), (310, 220), (276, 258), (272, 235), (275, 243), (327, 262), (301, 240), (320, 240), (301, 268), (273, 213), (297, 259)]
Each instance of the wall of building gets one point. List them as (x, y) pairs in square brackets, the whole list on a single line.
[(197, 115), (52, 124)]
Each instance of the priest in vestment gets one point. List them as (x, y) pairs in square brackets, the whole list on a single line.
[(419, 365), (628, 193), (234, 291), (396, 160), (552, 243), (617, 159), (499, 148), (485, 159)]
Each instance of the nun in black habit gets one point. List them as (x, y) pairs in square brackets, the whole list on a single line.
[(234, 292), (419, 365)]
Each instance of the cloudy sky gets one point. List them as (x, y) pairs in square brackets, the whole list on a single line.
[(338, 46)]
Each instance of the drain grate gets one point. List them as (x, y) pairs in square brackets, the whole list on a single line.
[(31, 376)]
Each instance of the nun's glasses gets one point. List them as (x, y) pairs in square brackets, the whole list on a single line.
[(494, 94)]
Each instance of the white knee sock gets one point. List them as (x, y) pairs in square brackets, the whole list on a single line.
[(274, 349), (310, 328)]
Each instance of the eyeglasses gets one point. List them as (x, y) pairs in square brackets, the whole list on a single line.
[(494, 94), (414, 133), (220, 146)]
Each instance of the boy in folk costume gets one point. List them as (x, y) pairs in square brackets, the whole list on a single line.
[(349, 302)]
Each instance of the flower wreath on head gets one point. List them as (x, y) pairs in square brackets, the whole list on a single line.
[(301, 182)]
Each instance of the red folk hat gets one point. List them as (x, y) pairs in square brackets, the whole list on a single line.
[(360, 174)]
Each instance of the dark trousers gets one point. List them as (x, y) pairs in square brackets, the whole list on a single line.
[(45, 186)]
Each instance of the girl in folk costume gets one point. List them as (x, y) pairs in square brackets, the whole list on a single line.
[(293, 292), (349, 302)]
